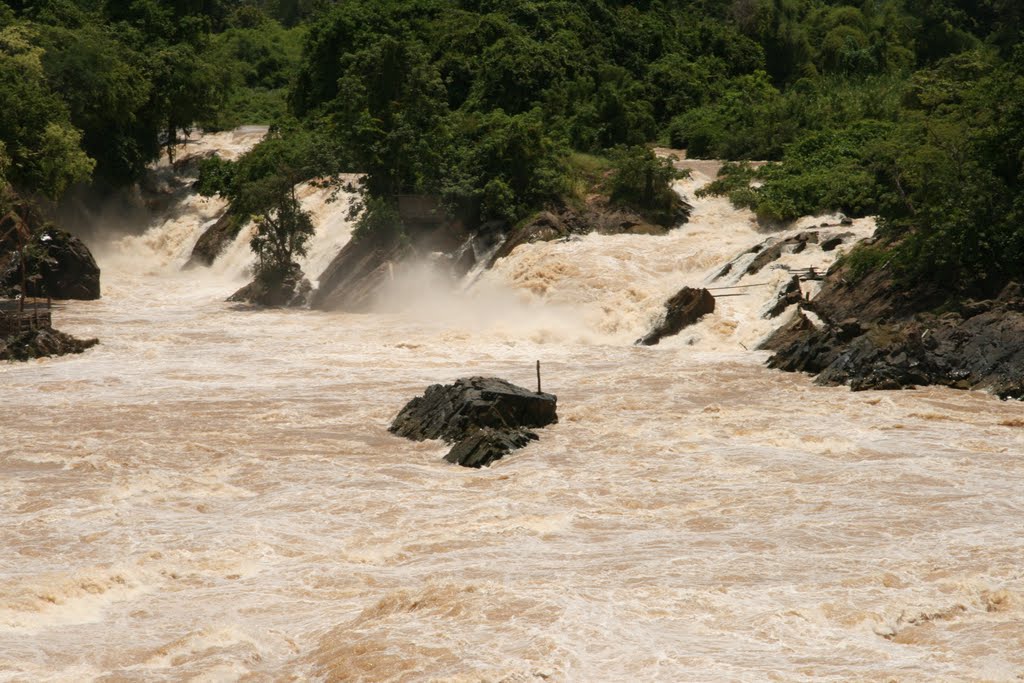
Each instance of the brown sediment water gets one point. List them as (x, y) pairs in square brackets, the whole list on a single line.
[(212, 494)]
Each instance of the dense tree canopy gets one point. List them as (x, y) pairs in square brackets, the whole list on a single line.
[(909, 109)]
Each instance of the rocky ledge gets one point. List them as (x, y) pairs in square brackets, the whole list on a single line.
[(484, 417), (874, 335), (44, 341)]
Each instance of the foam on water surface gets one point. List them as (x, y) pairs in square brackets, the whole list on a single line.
[(212, 494)]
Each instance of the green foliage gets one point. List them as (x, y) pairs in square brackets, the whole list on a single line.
[(643, 181), (501, 167), (745, 122), (911, 109), (389, 116), (503, 106), (35, 126), (261, 59), (821, 172), (865, 259), (282, 230), (286, 156), (379, 221), (106, 90)]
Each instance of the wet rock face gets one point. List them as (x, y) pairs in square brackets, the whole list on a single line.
[(45, 341), (790, 294), (484, 417), (976, 347), (66, 267), (214, 240), (682, 310), (486, 445), (354, 276), (790, 245)]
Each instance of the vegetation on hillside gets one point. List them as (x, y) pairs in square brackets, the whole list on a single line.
[(909, 109)]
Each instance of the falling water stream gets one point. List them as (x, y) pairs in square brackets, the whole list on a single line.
[(211, 494)]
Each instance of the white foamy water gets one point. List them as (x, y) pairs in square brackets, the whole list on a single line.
[(211, 494)]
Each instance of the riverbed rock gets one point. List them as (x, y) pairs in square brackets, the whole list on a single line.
[(292, 290), (353, 278), (214, 240), (788, 295), (44, 341), (484, 417), (771, 253), (684, 309), (835, 241), (597, 215), (483, 446)]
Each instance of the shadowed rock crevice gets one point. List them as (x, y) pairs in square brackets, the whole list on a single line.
[(484, 417)]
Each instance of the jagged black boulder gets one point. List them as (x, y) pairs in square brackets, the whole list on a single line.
[(788, 295), (44, 341), (790, 245), (215, 239), (484, 446), (66, 267), (682, 310), (484, 417)]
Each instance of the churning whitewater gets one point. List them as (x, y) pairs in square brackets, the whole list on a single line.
[(212, 494)]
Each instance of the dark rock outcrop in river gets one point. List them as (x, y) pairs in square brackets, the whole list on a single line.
[(684, 309), (292, 290), (484, 417), (790, 245), (66, 267), (597, 216), (873, 335), (215, 239), (789, 294), (44, 341)]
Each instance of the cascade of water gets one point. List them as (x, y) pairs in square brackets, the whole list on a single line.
[(621, 282)]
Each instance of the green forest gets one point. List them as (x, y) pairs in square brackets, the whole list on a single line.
[(911, 110)]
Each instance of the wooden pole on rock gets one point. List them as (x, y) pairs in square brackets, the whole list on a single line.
[(538, 377)]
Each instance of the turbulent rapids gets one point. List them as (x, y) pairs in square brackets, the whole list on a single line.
[(212, 493)]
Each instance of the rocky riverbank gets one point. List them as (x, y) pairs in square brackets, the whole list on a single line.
[(873, 334)]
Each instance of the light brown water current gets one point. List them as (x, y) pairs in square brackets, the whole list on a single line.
[(211, 494)]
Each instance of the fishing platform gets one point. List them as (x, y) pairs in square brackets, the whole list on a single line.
[(18, 317)]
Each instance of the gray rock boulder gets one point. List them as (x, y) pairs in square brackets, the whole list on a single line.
[(484, 417), (66, 267), (684, 309)]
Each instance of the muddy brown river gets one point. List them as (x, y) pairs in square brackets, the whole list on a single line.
[(211, 494)]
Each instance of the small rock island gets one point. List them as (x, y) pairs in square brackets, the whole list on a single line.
[(484, 417)]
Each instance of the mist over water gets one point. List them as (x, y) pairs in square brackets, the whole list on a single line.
[(211, 494)]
